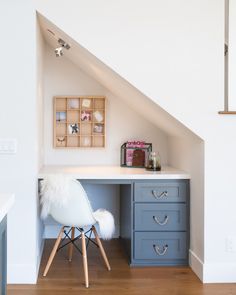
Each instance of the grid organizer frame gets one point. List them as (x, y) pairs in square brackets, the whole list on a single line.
[(79, 121)]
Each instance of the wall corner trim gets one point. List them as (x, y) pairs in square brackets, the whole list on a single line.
[(196, 264)]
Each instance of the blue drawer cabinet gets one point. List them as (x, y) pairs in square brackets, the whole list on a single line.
[(160, 222)]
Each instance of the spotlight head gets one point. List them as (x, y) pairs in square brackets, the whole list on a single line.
[(58, 51), (63, 44)]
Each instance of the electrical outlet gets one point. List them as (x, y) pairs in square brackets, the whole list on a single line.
[(231, 244), (8, 146)]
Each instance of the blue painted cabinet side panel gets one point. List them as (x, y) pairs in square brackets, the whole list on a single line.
[(126, 218), (3, 255)]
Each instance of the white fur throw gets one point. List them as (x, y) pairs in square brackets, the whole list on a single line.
[(106, 223), (54, 189)]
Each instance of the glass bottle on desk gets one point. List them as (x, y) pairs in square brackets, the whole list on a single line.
[(154, 162)]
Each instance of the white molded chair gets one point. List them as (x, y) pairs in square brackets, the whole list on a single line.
[(74, 212)]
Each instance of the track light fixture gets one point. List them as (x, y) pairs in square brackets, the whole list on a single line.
[(63, 45)]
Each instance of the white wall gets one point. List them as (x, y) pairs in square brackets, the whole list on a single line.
[(172, 51), (18, 173), (188, 154), (62, 77)]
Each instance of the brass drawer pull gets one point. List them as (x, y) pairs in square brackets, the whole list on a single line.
[(164, 222), (162, 195), (159, 251)]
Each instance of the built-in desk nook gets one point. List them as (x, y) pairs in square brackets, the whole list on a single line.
[(154, 210)]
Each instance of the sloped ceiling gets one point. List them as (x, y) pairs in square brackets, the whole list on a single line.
[(113, 82)]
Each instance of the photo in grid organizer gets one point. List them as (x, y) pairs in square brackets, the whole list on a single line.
[(86, 116), (86, 141), (61, 141), (98, 116), (73, 128), (98, 128), (60, 116), (86, 103), (73, 103)]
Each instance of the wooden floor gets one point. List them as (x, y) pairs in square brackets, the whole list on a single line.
[(66, 278)]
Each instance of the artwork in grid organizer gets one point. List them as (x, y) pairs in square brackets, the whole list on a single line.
[(79, 121), (60, 116), (73, 128), (73, 103), (61, 141), (86, 116), (98, 128), (86, 103)]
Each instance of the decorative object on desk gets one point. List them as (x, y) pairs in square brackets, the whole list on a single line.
[(138, 159), (73, 128), (154, 162), (130, 157), (84, 117)]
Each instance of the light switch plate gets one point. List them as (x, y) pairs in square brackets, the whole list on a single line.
[(8, 146)]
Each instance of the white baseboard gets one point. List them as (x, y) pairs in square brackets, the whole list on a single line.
[(40, 256), (212, 272), (219, 273), (196, 264), (22, 274)]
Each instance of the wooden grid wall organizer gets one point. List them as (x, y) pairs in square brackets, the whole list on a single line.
[(79, 121)]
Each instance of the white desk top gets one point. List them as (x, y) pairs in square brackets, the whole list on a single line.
[(113, 172), (6, 202)]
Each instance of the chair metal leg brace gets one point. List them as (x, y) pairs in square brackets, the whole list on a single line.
[(89, 238), (70, 241), (76, 238)]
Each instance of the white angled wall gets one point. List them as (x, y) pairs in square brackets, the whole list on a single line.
[(62, 77)]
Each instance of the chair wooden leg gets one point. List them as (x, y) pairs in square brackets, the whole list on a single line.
[(70, 249), (101, 248), (85, 262), (53, 253)]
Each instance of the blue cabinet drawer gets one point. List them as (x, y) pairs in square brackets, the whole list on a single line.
[(160, 246), (160, 217), (160, 191)]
